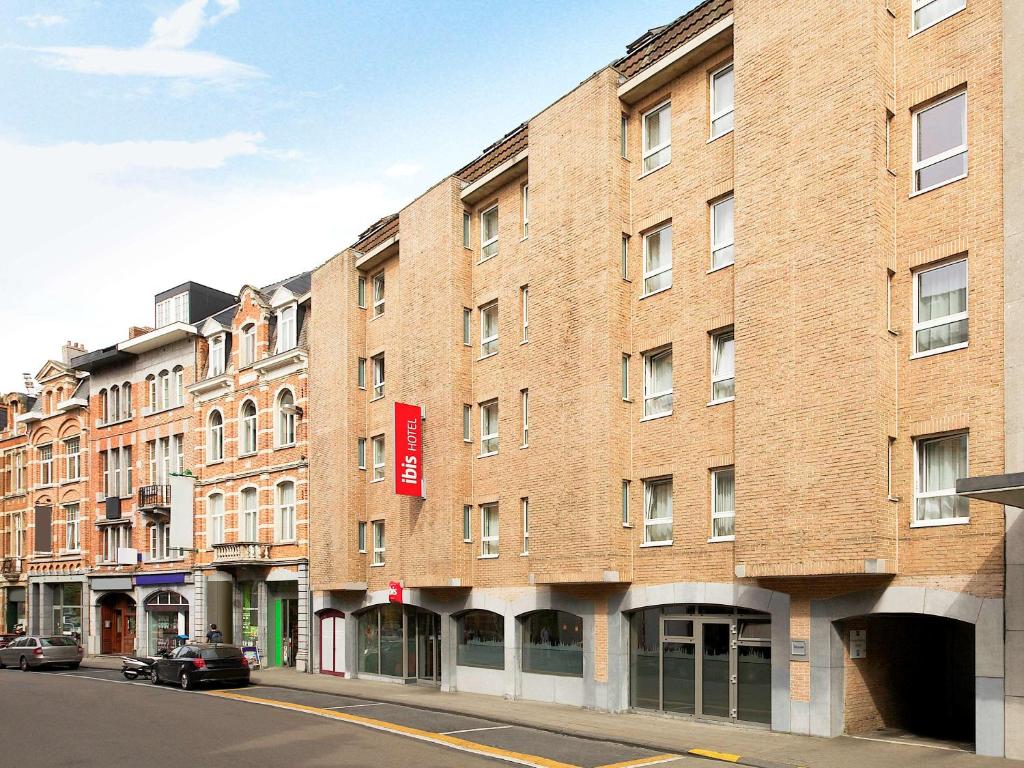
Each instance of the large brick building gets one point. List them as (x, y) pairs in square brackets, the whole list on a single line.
[(701, 350)]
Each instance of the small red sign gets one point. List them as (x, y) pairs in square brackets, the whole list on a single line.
[(408, 450), (394, 592)]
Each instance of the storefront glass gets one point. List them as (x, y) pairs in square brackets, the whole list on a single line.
[(644, 662), (250, 613), (553, 643), (369, 643), (391, 640), (67, 609), (168, 618), (481, 640)]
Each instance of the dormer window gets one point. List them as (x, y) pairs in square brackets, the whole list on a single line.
[(216, 356), (248, 345), (172, 310), (286, 328)]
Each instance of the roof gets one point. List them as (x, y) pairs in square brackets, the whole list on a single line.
[(299, 284), (376, 233), (505, 148), (657, 43)]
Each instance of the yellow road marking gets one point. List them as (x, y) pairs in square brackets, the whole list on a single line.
[(727, 756), (640, 762), (452, 742)]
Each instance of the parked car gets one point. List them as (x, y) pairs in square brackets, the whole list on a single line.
[(6, 638), (34, 651), (192, 664)]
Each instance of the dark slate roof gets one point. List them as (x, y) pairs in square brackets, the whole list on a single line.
[(657, 43), (225, 316), (298, 284)]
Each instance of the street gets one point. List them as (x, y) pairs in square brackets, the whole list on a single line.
[(93, 717)]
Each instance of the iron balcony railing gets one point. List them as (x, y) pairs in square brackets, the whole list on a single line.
[(154, 496)]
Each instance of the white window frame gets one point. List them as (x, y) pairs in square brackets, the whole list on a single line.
[(524, 416), (919, 443), (466, 219), (361, 536), (485, 244), (650, 151), (524, 295), (648, 274), (215, 438), (920, 165), (624, 136), (946, 319), (650, 522), (525, 506), (378, 376), (722, 514), (717, 339), (287, 327), (248, 351), (216, 366), (467, 524), (488, 440), (73, 460), (379, 286), (249, 429), (378, 449), (215, 514), (488, 344), (285, 428), (361, 453), (714, 116), (361, 292), (284, 523), (361, 372), (526, 210), (467, 423), (379, 542), (650, 358), (624, 384), (489, 543), (716, 246), (627, 521), (624, 257), (249, 517), (46, 465), (72, 527), (467, 324), (918, 5)]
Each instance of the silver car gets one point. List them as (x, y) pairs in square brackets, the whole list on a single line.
[(33, 651)]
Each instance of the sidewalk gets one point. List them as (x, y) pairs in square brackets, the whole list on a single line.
[(670, 734)]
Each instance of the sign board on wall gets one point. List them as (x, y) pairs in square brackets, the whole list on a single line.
[(408, 450), (858, 643), (395, 592)]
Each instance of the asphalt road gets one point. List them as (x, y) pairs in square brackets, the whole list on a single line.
[(93, 717)]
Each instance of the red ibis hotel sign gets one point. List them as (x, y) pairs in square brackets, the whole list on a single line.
[(408, 450)]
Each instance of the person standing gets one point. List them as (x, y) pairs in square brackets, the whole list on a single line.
[(214, 635)]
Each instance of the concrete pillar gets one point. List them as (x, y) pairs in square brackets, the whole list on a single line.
[(305, 620), (199, 606)]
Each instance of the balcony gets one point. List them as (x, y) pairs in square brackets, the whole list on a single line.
[(10, 568), (237, 553), (155, 497)]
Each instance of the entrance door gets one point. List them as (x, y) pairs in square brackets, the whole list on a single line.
[(117, 621), (697, 658), (715, 668), (332, 643), (428, 647)]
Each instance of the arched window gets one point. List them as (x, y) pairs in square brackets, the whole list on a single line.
[(285, 528), (215, 518), (164, 389), (481, 640), (114, 399), (248, 427), (285, 418), (104, 406), (248, 346), (553, 643), (126, 400), (151, 389), (178, 385), (60, 395), (215, 439)]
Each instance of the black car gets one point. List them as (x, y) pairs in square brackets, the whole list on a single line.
[(195, 663)]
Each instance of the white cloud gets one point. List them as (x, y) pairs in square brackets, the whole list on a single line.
[(400, 170), (182, 27), (43, 20)]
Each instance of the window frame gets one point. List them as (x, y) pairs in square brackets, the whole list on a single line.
[(718, 338), (525, 203), (245, 514), (247, 351), (717, 514), (287, 320), (714, 116), (73, 460), (46, 474), (248, 428), (485, 244), (378, 302), (648, 274), (919, 444), (378, 383), (286, 424), (285, 515), (361, 453), (361, 536), (646, 151), (467, 324), (378, 539), (72, 523), (947, 319), (524, 308), (919, 165), (361, 372), (624, 257), (215, 515), (488, 344), (624, 136), (467, 524), (918, 5), (487, 437), (379, 469), (627, 520), (489, 543), (524, 416), (650, 358), (467, 218), (524, 506), (216, 364), (215, 438), (467, 423), (717, 247), (650, 522), (361, 292)]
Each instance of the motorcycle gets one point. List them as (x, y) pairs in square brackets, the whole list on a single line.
[(134, 667)]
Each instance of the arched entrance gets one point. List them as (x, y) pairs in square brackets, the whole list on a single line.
[(332, 642), (167, 617), (117, 624)]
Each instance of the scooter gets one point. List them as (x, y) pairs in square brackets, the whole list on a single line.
[(134, 667)]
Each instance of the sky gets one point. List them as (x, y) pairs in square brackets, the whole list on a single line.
[(147, 142)]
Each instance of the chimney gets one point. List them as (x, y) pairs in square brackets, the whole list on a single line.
[(138, 330), (70, 350)]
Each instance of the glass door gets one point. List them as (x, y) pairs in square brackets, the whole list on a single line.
[(428, 647), (678, 670), (715, 668)]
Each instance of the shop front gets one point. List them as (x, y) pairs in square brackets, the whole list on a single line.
[(14, 608), (56, 606), (397, 641), (166, 601)]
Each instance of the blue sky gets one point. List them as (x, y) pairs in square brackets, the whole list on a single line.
[(236, 141)]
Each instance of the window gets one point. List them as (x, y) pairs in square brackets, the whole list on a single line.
[(723, 505), (467, 418), (658, 260), (286, 412), (489, 530), (722, 233), (154, 403), (19, 535), (286, 511), (481, 640), (657, 137), (930, 12), (524, 303), (940, 462), (361, 453), (524, 415), (489, 233), (215, 509), (888, 139), (45, 464), (250, 515), (465, 229), (658, 383), (287, 336), (526, 211), (159, 541), (940, 308), (361, 372), (248, 419), (215, 438), (216, 361), (361, 292), (19, 471), (467, 514), (624, 136), (626, 520), (114, 404), (126, 400), (723, 367), (378, 542), (104, 407), (467, 321), (940, 143), (378, 376), (658, 511), (72, 458), (489, 428), (890, 490), (361, 536), (178, 375), (553, 643), (378, 294), (248, 345), (172, 310), (72, 539), (625, 376), (624, 257), (378, 458), (115, 537), (525, 503), (163, 381), (889, 275), (489, 329), (721, 101)]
